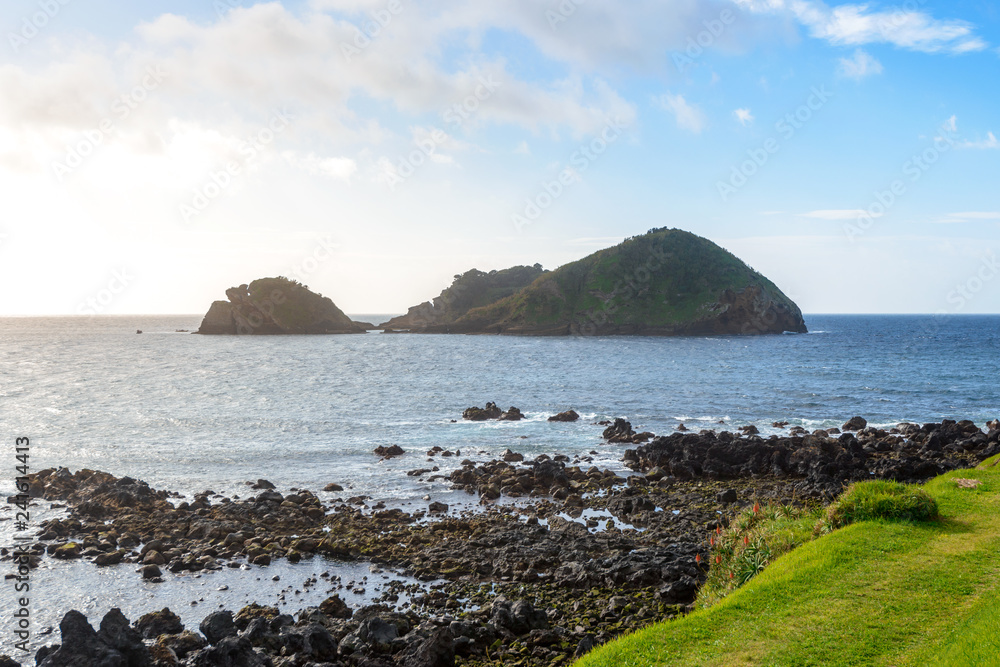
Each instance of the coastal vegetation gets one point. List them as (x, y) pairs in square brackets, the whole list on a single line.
[(910, 578)]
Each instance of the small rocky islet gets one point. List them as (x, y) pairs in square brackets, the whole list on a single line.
[(667, 282), (580, 556)]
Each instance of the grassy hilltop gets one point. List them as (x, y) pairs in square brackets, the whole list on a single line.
[(877, 592), (665, 282)]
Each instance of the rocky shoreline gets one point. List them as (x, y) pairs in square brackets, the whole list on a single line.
[(579, 556)]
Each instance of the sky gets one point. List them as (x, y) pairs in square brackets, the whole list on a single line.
[(154, 154)]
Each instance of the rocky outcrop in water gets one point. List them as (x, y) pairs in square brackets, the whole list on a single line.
[(276, 306)]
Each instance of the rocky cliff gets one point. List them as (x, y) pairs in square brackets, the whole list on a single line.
[(276, 306)]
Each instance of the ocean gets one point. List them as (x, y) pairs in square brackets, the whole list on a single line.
[(191, 413)]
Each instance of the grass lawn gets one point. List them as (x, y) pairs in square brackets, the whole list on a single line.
[(873, 593)]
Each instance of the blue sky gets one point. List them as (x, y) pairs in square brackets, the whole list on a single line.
[(153, 155)]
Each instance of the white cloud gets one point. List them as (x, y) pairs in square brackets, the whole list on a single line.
[(743, 116), (858, 24), (966, 216), (988, 143), (338, 168), (837, 214), (688, 117), (860, 65)]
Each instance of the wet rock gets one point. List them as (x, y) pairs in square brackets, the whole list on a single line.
[(82, 646), (334, 607), (116, 633), (389, 452), (854, 424), (183, 643), (332, 487), (229, 652), (112, 558), (512, 457), (163, 622), (476, 414), (244, 616), (163, 656), (217, 626), (619, 432), (511, 415), (568, 416), (151, 572), (68, 551), (437, 508)]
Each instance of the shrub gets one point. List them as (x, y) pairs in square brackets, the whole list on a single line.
[(755, 536), (865, 501)]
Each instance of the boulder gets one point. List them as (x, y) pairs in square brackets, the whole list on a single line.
[(854, 424), (568, 416), (183, 644), (118, 634), (217, 626), (619, 432), (334, 607), (437, 650), (476, 414), (389, 452), (229, 652), (163, 622), (83, 647), (512, 415)]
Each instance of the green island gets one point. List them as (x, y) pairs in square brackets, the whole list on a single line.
[(887, 589), (665, 282)]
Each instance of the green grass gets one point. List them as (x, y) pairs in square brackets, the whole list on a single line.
[(877, 592), (880, 499)]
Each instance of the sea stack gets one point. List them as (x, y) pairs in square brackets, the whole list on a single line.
[(271, 306)]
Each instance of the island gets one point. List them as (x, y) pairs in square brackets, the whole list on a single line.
[(270, 306), (472, 289), (667, 282)]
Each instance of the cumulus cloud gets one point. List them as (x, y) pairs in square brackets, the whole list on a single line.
[(744, 116), (858, 66), (688, 116)]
